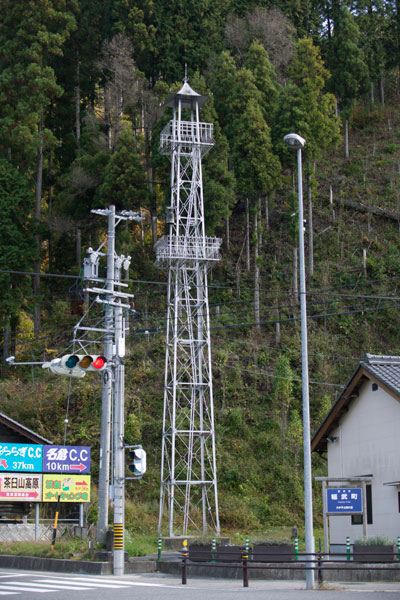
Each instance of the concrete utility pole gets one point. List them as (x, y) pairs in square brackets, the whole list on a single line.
[(119, 449), (113, 379), (104, 463)]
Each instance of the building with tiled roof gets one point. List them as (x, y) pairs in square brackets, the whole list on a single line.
[(360, 437)]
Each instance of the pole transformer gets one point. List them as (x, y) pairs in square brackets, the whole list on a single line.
[(188, 462)]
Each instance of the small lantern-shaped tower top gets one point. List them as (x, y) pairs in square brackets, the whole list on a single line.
[(186, 135), (186, 97)]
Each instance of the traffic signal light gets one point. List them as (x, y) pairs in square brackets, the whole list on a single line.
[(138, 466), (76, 365), (93, 362)]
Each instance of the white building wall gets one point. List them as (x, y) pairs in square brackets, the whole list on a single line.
[(368, 443)]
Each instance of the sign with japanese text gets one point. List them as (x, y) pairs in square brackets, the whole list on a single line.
[(70, 488), (344, 500), (66, 459), (20, 457), (20, 488)]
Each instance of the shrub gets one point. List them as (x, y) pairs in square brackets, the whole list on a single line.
[(376, 540), (273, 542)]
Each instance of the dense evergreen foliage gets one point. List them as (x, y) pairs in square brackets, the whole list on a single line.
[(81, 91)]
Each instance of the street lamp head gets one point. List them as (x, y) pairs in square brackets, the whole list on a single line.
[(295, 141)]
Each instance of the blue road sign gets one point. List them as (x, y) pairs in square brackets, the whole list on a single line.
[(66, 459), (344, 500), (21, 457)]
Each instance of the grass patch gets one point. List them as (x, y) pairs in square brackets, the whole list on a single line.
[(140, 545), (135, 545), (72, 549)]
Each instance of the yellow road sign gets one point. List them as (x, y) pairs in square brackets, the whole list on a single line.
[(70, 488)]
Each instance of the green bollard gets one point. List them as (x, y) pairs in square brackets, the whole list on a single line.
[(398, 548), (213, 549), (296, 548), (348, 548), (246, 544), (159, 548)]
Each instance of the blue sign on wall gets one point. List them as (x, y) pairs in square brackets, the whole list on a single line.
[(344, 500), (66, 459), (20, 457)]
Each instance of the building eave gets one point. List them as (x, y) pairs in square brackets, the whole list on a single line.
[(362, 374), (22, 430)]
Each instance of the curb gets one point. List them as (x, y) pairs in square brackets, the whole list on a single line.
[(59, 565), (81, 567)]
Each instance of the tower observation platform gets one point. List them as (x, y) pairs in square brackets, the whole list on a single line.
[(182, 249), (185, 135)]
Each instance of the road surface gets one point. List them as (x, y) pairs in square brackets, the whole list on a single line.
[(28, 585)]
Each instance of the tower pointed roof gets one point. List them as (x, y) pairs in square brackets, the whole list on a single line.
[(187, 96)]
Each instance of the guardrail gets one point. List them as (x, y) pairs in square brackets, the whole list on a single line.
[(245, 559)]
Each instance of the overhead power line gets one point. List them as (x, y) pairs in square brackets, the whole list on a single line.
[(227, 285), (293, 319), (273, 376), (309, 317), (32, 273), (282, 349)]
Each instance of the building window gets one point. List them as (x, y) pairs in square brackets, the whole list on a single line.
[(358, 519), (374, 387)]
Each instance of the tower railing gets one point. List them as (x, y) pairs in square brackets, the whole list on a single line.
[(186, 133), (180, 247)]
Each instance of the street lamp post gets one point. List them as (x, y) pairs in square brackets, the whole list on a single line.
[(296, 142)]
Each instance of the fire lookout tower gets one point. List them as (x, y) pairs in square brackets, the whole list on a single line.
[(188, 467)]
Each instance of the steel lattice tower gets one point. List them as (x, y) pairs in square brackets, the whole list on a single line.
[(188, 467)]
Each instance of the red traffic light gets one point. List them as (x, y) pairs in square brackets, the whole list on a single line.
[(99, 362)]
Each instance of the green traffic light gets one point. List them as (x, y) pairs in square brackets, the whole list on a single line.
[(72, 361)]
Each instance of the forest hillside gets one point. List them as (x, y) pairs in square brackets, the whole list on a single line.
[(82, 87)]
